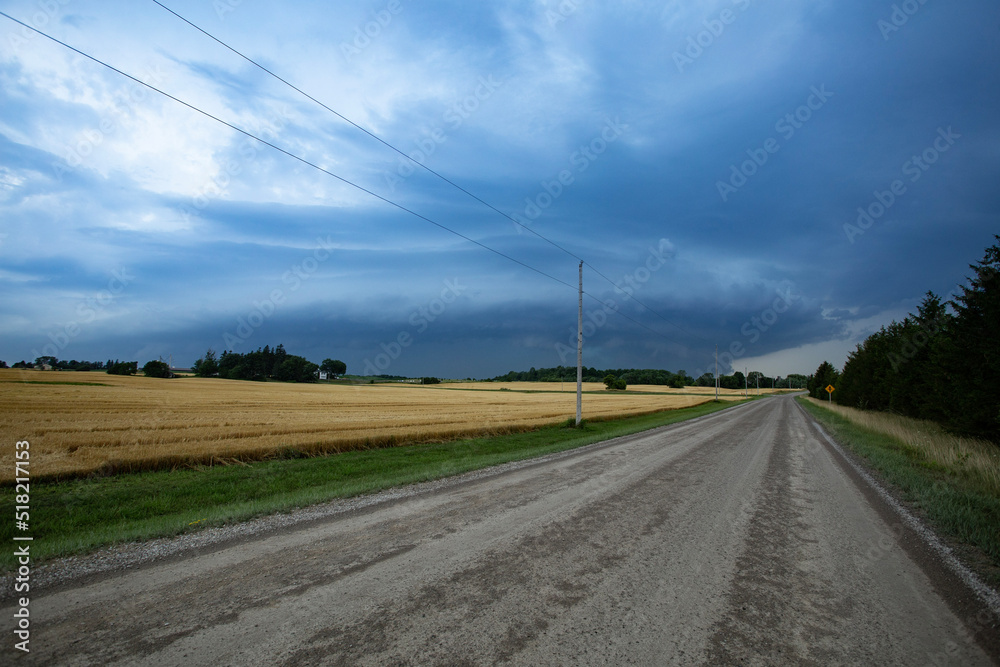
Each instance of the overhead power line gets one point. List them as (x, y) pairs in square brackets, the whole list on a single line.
[(315, 166), (359, 127), (420, 164)]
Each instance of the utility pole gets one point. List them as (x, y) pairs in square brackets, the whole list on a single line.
[(716, 372), (579, 354), (746, 382)]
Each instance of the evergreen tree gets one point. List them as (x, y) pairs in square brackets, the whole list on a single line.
[(207, 366), (968, 394), (824, 376)]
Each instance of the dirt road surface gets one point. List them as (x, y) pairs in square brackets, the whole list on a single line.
[(738, 538)]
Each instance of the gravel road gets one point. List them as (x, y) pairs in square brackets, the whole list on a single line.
[(743, 537)]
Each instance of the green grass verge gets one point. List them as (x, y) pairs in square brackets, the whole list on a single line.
[(953, 504), (78, 516)]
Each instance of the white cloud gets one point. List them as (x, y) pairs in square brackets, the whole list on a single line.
[(9, 182), (804, 359)]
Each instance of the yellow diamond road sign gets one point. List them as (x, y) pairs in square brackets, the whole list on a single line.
[(830, 389)]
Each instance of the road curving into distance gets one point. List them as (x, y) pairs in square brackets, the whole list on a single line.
[(742, 537)]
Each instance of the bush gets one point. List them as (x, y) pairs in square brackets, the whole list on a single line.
[(123, 367), (156, 369), (616, 383)]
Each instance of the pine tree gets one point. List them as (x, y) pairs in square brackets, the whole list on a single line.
[(969, 356), (824, 376)]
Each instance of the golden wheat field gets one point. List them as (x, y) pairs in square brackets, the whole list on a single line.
[(122, 424)]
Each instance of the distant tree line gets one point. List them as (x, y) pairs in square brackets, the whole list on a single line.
[(265, 363), (158, 368), (935, 364), (59, 364), (628, 375), (631, 376), (754, 379)]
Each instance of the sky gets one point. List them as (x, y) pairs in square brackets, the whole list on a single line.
[(777, 179)]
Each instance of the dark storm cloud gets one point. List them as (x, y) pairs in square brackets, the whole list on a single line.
[(841, 153)]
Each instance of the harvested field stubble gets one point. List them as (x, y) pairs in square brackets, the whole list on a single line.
[(130, 424)]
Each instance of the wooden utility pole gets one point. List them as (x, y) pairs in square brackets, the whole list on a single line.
[(716, 373), (579, 354)]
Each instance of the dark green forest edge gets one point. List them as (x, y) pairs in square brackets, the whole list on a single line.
[(940, 364), (83, 515)]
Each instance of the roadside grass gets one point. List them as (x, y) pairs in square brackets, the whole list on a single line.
[(953, 482), (82, 515)]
